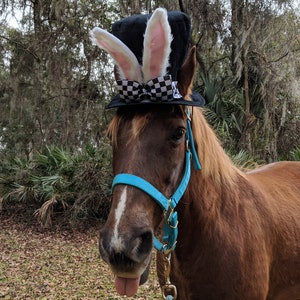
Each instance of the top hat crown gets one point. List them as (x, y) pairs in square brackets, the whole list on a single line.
[(131, 41), (131, 32)]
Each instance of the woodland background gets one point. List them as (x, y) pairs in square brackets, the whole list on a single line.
[(54, 84)]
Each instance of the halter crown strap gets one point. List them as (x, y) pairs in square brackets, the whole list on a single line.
[(190, 140)]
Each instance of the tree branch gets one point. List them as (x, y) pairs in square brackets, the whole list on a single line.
[(181, 6), (22, 46), (216, 61), (283, 56), (279, 58)]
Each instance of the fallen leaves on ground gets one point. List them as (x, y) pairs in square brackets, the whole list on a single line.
[(36, 264)]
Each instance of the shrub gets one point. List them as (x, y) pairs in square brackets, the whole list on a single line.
[(295, 154), (244, 161), (56, 181)]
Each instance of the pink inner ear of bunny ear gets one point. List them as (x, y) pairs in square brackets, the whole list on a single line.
[(124, 58), (156, 49), (157, 45)]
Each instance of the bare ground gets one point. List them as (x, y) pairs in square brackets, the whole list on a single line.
[(56, 264)]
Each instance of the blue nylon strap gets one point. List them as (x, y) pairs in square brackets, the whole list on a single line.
[(158, 245), (170, 233), (145, 186), (190, 140), (184, 182), (142, 184)]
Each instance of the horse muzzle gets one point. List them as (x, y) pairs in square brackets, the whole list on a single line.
[(129, 257)]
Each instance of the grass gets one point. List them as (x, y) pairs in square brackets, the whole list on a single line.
[(39, 264)]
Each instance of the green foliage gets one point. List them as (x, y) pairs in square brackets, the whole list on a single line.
[(224, 109), (57, 181), (295, 154), (244, 161), (53, 81)]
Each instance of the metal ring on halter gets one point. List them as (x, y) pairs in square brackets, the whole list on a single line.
[(169, 291), (173, 226), (168, 213)]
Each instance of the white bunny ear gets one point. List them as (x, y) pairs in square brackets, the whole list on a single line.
[(124, 58), (157, 45)]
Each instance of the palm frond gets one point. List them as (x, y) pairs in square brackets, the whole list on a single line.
[(21, 193), (295, 154), (45, 212), (244, 161)]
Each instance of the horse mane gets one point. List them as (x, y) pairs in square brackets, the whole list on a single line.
[(216, 164), (139, 123), (112, 130)]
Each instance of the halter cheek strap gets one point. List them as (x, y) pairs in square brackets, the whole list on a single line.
[(170, 228)]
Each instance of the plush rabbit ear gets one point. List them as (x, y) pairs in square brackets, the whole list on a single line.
[(129, 67), (157, 45)]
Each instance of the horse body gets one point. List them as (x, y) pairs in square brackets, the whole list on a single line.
[(239, 233), (242, 241)]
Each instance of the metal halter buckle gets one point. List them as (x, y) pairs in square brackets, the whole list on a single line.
[(168, 214)]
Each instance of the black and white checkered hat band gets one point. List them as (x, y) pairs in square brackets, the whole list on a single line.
[(157, 90)]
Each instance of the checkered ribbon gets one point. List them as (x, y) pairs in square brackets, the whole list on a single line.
[(157, 90)]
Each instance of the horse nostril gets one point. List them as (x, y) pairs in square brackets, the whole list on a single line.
[(146, 242)]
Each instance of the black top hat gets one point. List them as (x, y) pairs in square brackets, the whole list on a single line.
[(131, 32)]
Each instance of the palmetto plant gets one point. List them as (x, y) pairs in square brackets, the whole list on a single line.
[(22, 192), (15, 181), (295, 154), (244, 161), (50, 190), (224, 108), (57, 181), (55, 159)]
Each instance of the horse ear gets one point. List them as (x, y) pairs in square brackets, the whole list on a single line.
[(186, 73), (157, 45), (124, 58)]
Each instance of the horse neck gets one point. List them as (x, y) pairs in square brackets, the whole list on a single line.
[(212, 186)]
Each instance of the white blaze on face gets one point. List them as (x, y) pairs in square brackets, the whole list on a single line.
[(116, 241)]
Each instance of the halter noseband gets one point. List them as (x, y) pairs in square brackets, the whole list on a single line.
[(170, 230)]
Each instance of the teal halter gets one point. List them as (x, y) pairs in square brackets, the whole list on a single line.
[(170, 230)]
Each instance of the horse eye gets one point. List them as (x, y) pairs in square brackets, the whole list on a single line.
[(178, 134)]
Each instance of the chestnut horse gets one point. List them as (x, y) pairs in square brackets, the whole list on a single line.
[(238, 233)]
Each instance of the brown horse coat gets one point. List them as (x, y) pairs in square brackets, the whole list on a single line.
[(239, 233)]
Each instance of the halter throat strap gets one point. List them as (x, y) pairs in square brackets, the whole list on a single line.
[(170, 230)]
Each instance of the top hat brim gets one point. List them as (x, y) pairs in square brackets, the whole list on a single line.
[(196, 100)]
